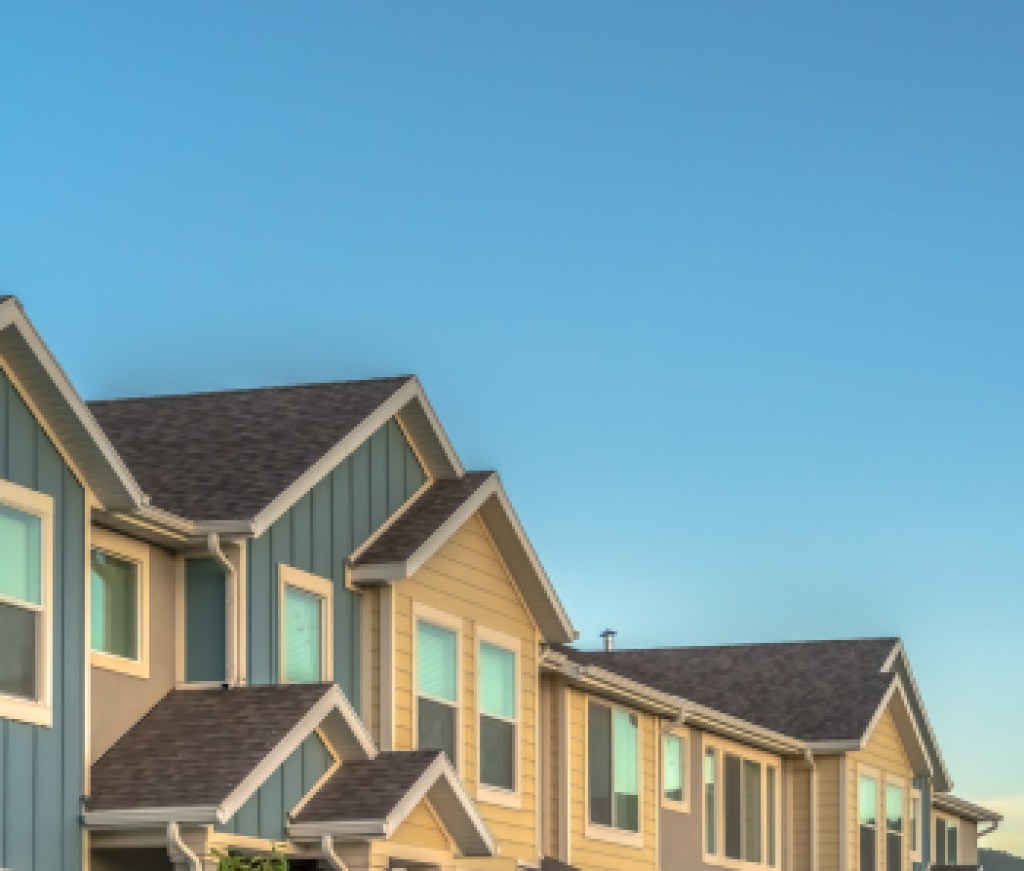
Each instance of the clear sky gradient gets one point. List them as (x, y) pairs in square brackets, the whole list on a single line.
[(729, 292)]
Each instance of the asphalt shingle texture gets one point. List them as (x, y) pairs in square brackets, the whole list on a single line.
[(195, 746), (226, 455), (422, 519), (368, 789), (812, 690)]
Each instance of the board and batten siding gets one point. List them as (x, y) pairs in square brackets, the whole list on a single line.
[(265, 814), (885, 754), (467, 581), (41, 768), (317, 534)]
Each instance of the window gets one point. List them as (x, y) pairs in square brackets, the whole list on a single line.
[(26, 523), (915, 824), (741, 805), (940, 841), (613, 742), (673, 751), (437, 688), (119, 603), (710, 801), (952, 845), (867, 813), (499, 704), (305, 626), (946, 842), (893, 827)]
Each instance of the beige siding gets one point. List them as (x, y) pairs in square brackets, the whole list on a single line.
[(800, 814), (467, 580), (886, 755), (588, 852), (830, 829), (119, 700), (552, 695)]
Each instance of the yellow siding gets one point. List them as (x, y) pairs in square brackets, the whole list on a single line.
[(596, 855), (421, 829), (829, 825), (466, 579), (884, 753), (551, 766)]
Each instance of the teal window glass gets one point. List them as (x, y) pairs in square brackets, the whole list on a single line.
[(303, 636), (115, 598), (437, 688), (626, 781), (21, 576), (613, 767), (952, 844), (673, 775), (497, 688), (893, 827), (867, 813)]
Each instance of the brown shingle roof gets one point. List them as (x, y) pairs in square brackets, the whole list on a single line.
[(226, 455), (422, 519), (196, 746), (367, 790), (812, 691)]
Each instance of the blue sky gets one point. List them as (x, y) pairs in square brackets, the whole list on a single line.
[(730, 293)]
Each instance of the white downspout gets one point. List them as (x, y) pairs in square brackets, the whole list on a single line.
[(813, 802), (231, 593), (333, 859), (990, 829), (175, 843)]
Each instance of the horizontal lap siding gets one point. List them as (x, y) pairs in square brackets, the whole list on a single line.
[(317, 535), (592, 854), (830, 828), (467, 579), (885, 753), (41, 769)]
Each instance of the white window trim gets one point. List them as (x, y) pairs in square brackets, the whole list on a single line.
[(722, 746), (38, 711), (444, 620), (598, 831), (670, 804), (485, 792), (136, 552), (289, 576), (915, 825)]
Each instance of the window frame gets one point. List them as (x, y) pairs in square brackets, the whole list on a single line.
[(323, 588), (486, 792), (37, 711), (914, 828), (599, 831), (683, 735), (442, 620), (720, 747), (949, 822), (895, 780), (136, 552)]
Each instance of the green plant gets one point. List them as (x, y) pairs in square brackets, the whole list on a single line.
[(268, 862)]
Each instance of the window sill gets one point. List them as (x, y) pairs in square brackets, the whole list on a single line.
[(25, 711), (679, 807), (498, 796), (725, 862), (110, 662), (609, 835)]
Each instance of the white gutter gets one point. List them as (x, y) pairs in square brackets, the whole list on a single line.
[(333, 859), (813, 801), (231, 592), (178, 847)]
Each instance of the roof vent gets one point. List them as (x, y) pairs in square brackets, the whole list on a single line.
[(608, 637)]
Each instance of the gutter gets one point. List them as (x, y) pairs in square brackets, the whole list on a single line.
[(177, 847)]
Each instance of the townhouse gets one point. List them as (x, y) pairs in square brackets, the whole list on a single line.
[(289, 618)]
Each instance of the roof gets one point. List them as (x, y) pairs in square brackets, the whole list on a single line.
[(967, 810), (226, 455), (414, 527), (368, 790), (812, 691), (197, 747)]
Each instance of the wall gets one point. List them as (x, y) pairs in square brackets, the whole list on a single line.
[(41, 769), (119, 700), (885, 753), (466, 579), (317, 535)]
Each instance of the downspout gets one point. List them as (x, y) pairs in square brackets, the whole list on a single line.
[(231, 593), (333, 859), (990, 829), (177, 847), (813, 809)]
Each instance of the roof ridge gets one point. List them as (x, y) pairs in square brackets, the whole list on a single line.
[(302, 385)]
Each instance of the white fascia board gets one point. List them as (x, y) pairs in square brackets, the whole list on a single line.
[(411, 391), (144, 817), (379, 573), (332, 701), (12, 316), (826, 747), (348, 830)]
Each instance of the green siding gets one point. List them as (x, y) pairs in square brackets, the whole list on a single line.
[(317, 535), (266, 813), (205, 621), (41, 769)]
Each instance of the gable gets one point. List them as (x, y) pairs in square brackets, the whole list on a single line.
[(265, 813), (885, 748), (423, 829)]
